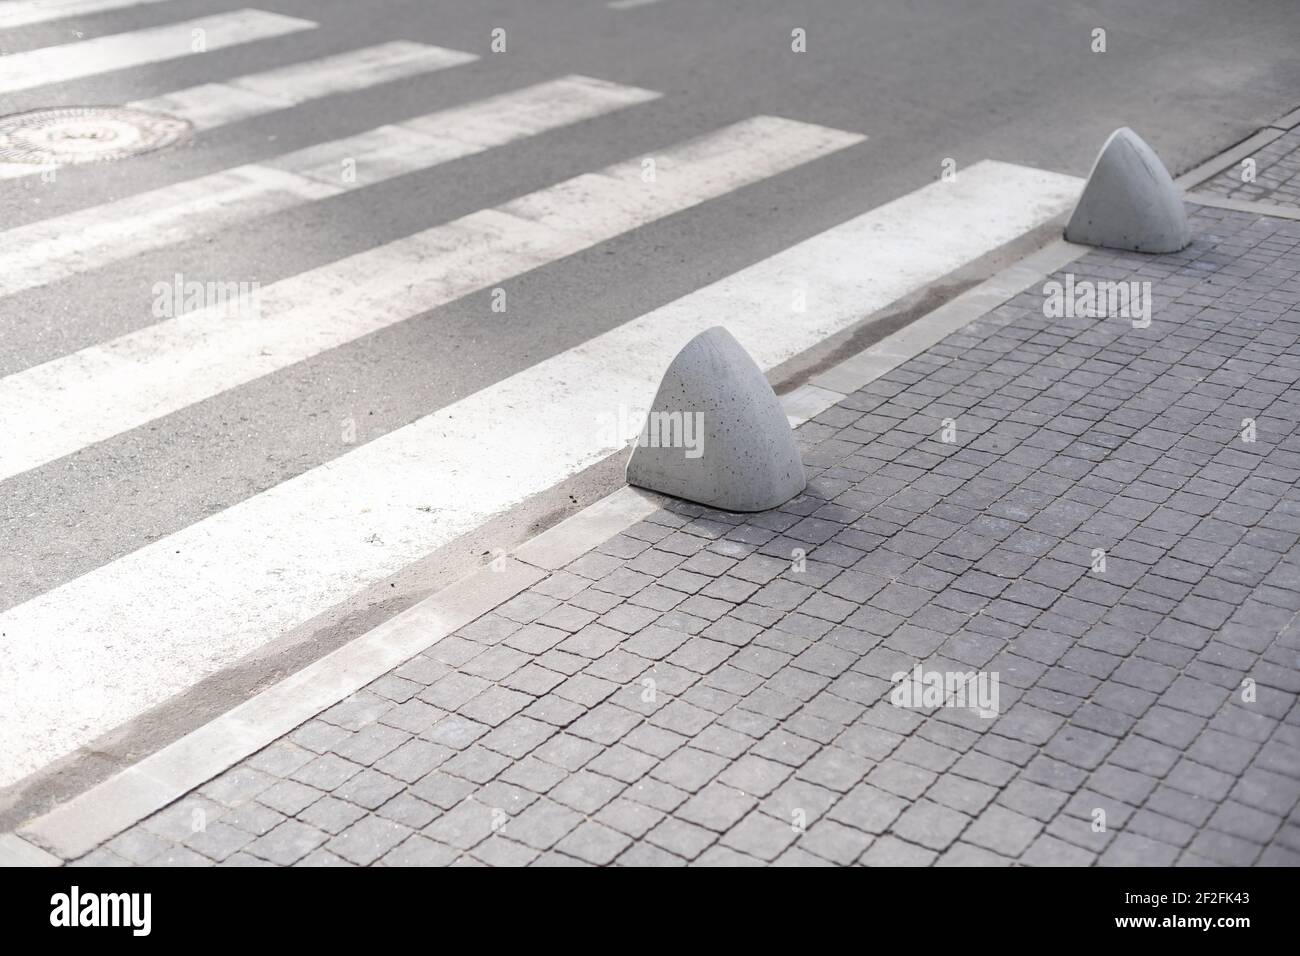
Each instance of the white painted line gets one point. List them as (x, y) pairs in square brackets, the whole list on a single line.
[(215, 104), (52, 249), (629, 4), (210, 105), (74, 61), (21, 13), (98, 650), (100, 391)]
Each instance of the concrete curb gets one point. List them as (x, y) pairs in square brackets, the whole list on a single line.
[(1212, 167), (834, 384), (78, 826), (1242, 205), (1288, 122), (15, 851)]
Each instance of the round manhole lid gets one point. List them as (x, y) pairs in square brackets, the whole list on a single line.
[(85, 134)]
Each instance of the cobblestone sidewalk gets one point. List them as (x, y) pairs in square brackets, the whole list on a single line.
[(687, 694)]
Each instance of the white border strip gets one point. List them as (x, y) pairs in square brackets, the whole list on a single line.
[(1242, 205), (21, 13)]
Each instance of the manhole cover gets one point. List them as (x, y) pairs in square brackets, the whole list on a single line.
[(85, 134)]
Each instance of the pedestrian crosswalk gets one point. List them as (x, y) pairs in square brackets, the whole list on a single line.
[(21, 13), (52, 249), (95, 393), (120, 51), (215, 104), (99, 648), (211, 105)]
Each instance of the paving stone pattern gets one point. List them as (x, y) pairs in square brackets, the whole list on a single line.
[(685, 694), (1277, 175)]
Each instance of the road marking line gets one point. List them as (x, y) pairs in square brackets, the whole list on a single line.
[(21, 13), (629, 4), (214, 104), (99, 650), (210, 105), (74, 61), (100, 391), (52, 249)]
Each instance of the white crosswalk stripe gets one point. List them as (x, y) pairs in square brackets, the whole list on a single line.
[(210, 105), (215, 104), (74, 61), (93, 394), (52, 249), (21, 13)]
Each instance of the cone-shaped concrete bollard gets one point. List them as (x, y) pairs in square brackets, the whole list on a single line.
[(1130, 202), (716, 434)]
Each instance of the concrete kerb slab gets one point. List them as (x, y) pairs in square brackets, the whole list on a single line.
[(573, 537), (1212, 167), (1243, 205), (1288, 122), (807, 402), (832, 385), (15, 851)]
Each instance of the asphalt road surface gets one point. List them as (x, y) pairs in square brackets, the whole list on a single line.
[(421, 353)]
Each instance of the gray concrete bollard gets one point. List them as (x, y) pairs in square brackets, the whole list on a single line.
[(716, 433), (1130, 201)]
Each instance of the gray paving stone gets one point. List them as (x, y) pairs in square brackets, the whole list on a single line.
[(543, 824), (930, 824), (332, 814), (680, 838), (596, 844), (289, 797), (368, 839), (287, 843), (218, 841), (419, 850), (1002, 831)]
